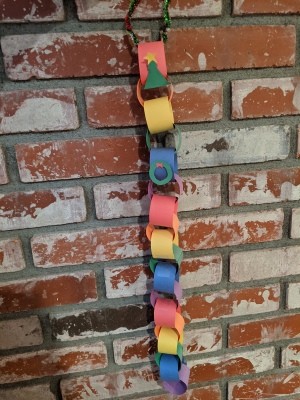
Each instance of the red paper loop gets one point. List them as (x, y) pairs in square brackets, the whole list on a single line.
[(162, 211), (165, 312), (156, 48)]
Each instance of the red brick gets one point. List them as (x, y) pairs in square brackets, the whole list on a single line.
[(203, 393), (137, 279), (128, 154), (11, 255), (295, 228), (128, 199), (116, 9), (111, 385), (269, 186), (264, 264), (97, 245), (53, 290), (94, 157), (31, 11), (20, 333), (36, 392), (3, 170), (224, 304), (265, 387), (266, 97), (142, 349), (140, 380), (290, 356), (264, 331), (20, 210), (230, 47), (266, 7), (118, 106), (23, 367), (105, 53), (56, 111), (232, 364)]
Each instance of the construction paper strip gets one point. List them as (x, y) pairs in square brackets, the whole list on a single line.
[(178, 357), (179, 387), (156, 48), (168, 368), (165, 312), (159, 115), (162, 211), (164, 277), (162, 244), (167, 341), (167, 156)]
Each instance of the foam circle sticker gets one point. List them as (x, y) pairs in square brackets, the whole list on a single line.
[(161, 169), (155, 49), (154, 109)]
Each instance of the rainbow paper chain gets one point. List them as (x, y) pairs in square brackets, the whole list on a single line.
[(162, 230)]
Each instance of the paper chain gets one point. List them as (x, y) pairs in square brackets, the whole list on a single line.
[(162, 230)]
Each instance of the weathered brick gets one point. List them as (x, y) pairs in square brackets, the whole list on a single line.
[(52, 290), (105, 53), (293, 295), (290, 356), (269, 186), (266, 7), (20, 333), (232, 364), (116, 9), (128, 199), (142, 349), (137, 279), (36, 392), (128, 154), (203, 49), (109, 106), (31, 11), (223, 304), (56, 111), (264, 264), (110, 243), (23, 367), (20, 210), (95, 323), (295, 228), (3, 170), (111, 385), (11, 255), (204, 393), (266, 97), (264, 330), (265, 387), (139, 380)]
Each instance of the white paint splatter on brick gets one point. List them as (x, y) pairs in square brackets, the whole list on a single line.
[(36, 392), (11, 255), (20, 332), (295, 229)]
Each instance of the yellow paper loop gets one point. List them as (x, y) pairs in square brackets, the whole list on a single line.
[(162, 244), (159, 115), (167, 341)]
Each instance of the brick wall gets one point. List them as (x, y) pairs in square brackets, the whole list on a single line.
[(76, 323)]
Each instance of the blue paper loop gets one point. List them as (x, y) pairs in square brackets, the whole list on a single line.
[(164, 277), (169, 368)]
